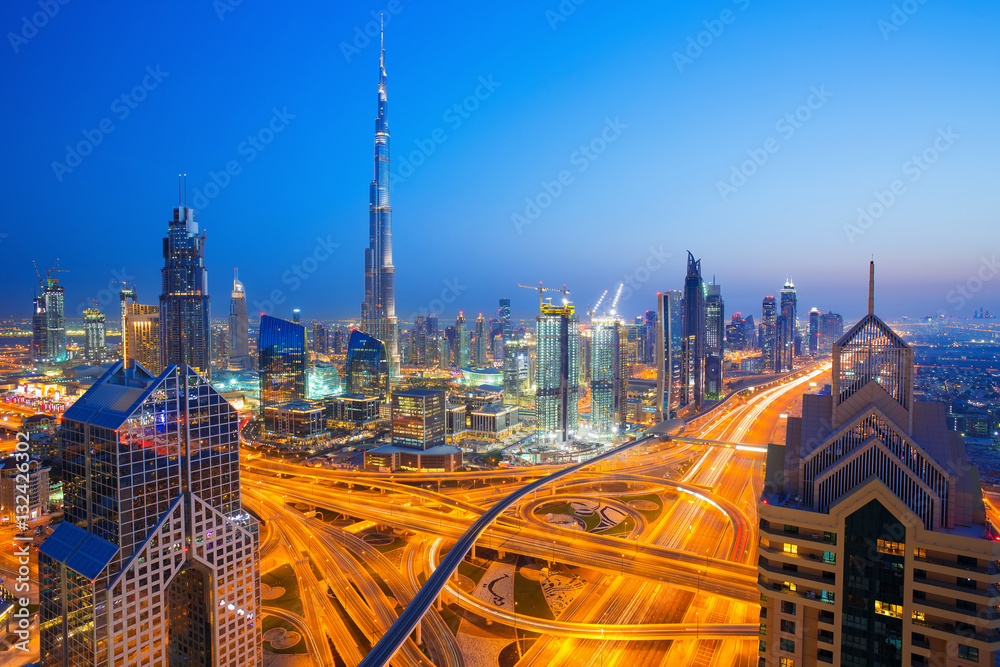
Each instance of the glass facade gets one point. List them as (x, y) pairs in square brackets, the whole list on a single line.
[(282, 358), (185, 336), (142, 335), (367, 367), (557, 377), (608, 377), (152, 511), (693, 341), (715, 342), (48, 323), (418, 418), (872, 631)]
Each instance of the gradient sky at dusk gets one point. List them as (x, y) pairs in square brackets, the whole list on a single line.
[(682, 123)]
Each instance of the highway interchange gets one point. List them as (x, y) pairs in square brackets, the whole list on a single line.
[(679, 588)]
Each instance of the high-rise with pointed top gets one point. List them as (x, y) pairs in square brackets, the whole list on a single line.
[(378, 312), (184, 307)]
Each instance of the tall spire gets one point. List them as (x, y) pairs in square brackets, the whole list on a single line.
[(871, 288)]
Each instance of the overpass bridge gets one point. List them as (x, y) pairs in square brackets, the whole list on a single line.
[(401, 629)]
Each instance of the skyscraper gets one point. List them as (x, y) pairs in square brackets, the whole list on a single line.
[(608, 377), (239, 328), (378, 312), (479, 344), (320, 338), (367, 367), (693, 343), (875, 547), (814, 331), (669, 336), (831, 327), (128, 293), (142, 336), (515, 371), (156, 562), (48, 322), (185, 336), (715, 342), (557, 372), (282, 361), (462, 357), (771, 361), (95, 335), (505, 327), (789, 308)]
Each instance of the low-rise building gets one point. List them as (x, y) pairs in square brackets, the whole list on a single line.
[(298, 424), (493, 422), (16, 477)]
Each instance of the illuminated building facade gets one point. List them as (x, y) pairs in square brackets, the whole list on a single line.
[(874, 543), (367, 367), (506, 330), (557, 372), (33, 481), (769, 336), (48, 323), (693, 341), (715, 342), (515, 371), (669, 335), (479, 343), (378, 312), (789, 330), (239, 328), (94, 335), (418, 418), (282, 356), (185, 335), (156, 562), (142, 336), (814, 331), (320, 338), (608, 377), (831, 328), (418, 434), (128, 294), (461, 342)]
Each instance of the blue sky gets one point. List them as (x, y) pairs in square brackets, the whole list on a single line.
[(643, 110)]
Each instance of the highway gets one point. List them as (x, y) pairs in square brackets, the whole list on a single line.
[(680, 588)]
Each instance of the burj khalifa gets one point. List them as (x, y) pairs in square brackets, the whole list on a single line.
[(378, 312)]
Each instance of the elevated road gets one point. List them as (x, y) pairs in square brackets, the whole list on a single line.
[(397, 634)]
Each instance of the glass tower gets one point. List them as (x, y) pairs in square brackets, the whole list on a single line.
[(769, 337), (715, 342), (608, 377), (378, 312), (185, 336), (156, 561), (48, 323), (95, 334), (789, 308), (557, 372), (693, 342), (282, 356), (239, 328), (367, 367), (668, 352)]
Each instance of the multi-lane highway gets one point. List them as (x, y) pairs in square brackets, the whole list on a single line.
[(677, 587)]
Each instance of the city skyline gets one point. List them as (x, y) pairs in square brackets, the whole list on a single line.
[(318, 136)]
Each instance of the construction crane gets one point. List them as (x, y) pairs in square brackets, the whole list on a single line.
[(614, 303), (48, 273), (541, 289), (591, 311)]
